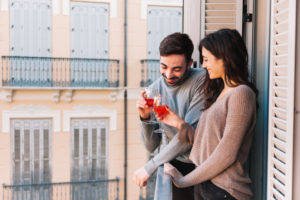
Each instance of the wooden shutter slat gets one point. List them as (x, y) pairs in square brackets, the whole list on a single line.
[(277, 185), (282, 15), (282, 4), (220, 1), (282, 27), (281, 59), (279, 134), (279, 113), (278, 165), (278, 123), (279, 176), (221, 6), (277, 195), (219, 14), (281, 38), (280, 81), (281, 49)]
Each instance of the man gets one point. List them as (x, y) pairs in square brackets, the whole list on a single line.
[(180, 84)]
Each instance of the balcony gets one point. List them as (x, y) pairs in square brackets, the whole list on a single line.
[(75, 190), (150, 71), (44, 72)]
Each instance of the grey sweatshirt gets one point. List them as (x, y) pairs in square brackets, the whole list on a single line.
[(187, 101)]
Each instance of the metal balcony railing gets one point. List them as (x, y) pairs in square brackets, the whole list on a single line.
[(59, 72), (75, 190), (150, 71)]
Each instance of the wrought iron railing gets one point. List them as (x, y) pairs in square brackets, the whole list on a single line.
[(150, 71), (74, 190), (59, 72)]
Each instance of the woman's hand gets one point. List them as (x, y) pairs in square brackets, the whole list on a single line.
[(172, 171), (170, 118)]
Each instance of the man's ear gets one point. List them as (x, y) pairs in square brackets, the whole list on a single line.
[(190, 63)]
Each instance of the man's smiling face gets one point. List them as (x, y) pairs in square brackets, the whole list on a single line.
[(173, 68)]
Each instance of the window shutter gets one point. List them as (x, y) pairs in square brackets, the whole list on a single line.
[(281, 99), (162, 21), (89, 30), (30, 28), (218, 14), (89, 149), (31, 153)]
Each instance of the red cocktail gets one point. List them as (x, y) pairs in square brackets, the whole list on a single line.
[(160, 110), (149, 102)]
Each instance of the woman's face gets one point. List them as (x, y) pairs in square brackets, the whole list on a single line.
[(214, 66)]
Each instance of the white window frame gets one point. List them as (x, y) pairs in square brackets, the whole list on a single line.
[(89, 111), (31, 149), (113, 6), (146, 3), (90, 120), (30, 111)]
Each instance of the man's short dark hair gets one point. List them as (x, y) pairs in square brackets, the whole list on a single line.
[(177, 43)]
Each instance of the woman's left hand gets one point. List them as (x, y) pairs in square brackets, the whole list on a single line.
[(172, 171)]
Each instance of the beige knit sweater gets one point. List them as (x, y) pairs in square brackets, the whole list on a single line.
[(222, 142)]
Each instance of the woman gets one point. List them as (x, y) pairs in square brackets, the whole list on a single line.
[(222, 139)]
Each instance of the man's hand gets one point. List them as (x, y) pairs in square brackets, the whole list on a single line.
[(140, 177), (142, 107)]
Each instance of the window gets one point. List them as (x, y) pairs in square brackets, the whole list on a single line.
[(89, 155), (30, 36), (31, 156)]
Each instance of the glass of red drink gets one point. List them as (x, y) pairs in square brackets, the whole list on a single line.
[(160, 108), (150, 93)]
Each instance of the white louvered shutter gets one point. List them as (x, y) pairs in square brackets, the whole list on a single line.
[(281, 99), (218, 14), (89, 149), (161, 21)]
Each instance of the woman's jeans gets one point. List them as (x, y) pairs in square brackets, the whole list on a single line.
[(209, 191)]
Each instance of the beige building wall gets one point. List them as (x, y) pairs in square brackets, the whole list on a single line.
[(107, 99)]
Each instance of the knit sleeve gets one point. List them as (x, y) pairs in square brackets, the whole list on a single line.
[(240, 117)]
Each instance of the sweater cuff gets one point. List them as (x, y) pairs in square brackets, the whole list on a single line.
[(147, 119), (150, 167)]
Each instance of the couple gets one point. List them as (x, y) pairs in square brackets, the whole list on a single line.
[(205, 158)]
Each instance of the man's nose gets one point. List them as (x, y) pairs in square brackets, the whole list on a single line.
[(169, 74)]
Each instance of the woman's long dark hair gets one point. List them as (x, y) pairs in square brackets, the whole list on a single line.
[(228, 45)]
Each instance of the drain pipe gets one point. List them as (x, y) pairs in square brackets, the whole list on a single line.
[(125, 100)]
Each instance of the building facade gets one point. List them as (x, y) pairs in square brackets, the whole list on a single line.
[(71, 72)]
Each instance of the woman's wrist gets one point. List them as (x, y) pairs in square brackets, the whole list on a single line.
[(180, 124)]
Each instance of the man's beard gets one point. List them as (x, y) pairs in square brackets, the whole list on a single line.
[(180, 80)]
